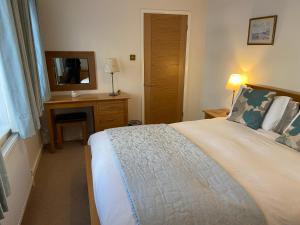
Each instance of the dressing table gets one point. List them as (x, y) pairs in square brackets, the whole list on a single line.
[(71, 71), (108, 111)]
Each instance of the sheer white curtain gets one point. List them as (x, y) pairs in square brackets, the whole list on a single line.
[(24, 78), (4, 121), (39, 51)]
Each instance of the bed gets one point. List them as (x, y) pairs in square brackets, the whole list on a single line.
[(265, 169)]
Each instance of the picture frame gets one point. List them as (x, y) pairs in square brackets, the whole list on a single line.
[(262, 30)]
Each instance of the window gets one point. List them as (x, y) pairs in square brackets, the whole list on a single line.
[(23, 81), (4, 120)]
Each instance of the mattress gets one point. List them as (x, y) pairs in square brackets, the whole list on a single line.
[(268, 171)]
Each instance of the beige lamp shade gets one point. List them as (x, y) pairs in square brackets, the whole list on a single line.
[(235, 81), (111, 65)]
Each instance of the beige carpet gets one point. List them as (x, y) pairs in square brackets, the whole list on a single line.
[(59, 196)]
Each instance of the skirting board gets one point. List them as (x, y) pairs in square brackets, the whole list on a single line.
[(93, 210)]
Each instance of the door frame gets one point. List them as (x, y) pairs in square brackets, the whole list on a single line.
[(186, 70)]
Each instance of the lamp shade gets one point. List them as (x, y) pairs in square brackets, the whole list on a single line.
[(111, 65), (235, 81)]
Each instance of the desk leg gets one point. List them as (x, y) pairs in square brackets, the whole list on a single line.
[(95, 119), (51, 129)]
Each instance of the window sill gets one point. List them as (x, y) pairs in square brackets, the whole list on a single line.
[(9, 143), (4, 135)]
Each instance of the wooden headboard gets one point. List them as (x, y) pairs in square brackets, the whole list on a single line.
[(282, 92)]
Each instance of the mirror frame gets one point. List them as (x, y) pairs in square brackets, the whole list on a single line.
[(90, 56)]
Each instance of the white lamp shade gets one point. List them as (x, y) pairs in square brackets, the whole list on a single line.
[(111, 65), (235, 81)]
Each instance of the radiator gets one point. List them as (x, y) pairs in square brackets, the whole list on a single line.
[(20, 177)]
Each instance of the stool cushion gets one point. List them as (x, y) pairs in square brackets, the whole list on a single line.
[(70, 117)]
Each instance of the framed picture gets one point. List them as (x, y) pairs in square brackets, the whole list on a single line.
[(262, 30)]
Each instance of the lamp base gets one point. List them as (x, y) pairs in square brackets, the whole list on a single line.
[(233, 93)]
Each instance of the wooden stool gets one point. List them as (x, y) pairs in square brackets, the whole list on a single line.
[(70, 119)]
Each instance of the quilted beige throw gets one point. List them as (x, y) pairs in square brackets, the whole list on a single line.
[(170, 181)]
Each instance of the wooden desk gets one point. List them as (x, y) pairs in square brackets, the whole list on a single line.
[(108, 111)]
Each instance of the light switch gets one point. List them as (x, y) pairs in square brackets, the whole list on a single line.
[(132, 57)]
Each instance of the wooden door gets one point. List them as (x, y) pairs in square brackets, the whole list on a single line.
[(164, 59)]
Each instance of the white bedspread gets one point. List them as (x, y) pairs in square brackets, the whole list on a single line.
[(110, 195), (269, 171)]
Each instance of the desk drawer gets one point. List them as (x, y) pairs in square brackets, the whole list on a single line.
[(111, 107), (105, 121)]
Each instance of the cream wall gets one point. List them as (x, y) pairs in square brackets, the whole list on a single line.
[(227, 51), (33, 146), (112, 28)]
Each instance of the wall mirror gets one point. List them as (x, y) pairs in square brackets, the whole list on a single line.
[(70, 71)]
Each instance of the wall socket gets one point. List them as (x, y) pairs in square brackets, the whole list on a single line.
[(132, 57)]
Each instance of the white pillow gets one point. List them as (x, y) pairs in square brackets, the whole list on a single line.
[(275, 112)]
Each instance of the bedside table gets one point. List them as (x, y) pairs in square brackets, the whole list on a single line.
[(215, 113)]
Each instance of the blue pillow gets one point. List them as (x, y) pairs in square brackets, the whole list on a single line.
[(251, 106), (291, 136)]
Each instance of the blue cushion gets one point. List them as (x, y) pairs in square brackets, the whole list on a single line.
[(291, 136), (251, 106)]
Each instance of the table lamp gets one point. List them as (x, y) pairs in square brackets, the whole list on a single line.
[(111, 66), (234, 82)]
